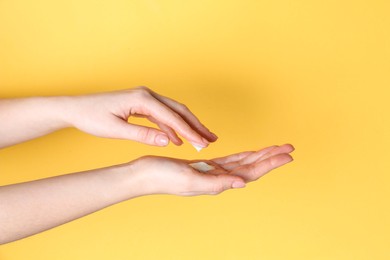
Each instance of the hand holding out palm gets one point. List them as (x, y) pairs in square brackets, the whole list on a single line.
[(176, 176)]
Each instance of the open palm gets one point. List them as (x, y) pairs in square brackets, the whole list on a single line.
[(175, 176), (252, 165)]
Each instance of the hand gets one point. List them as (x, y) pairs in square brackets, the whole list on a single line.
[(174, 176), (250, 166), (54, 201), (107, 114)]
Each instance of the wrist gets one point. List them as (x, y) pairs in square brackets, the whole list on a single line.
[(53, 111), (128, 182), (60, 110)]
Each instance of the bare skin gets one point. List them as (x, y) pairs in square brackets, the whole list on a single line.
[(103, 115), (32, 207)]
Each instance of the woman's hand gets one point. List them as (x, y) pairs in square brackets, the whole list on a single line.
[(32, 207), (107, 114), (104, 115), (175, 176)]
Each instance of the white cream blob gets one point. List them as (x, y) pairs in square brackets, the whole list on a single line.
[(197, 147), (202, 166)]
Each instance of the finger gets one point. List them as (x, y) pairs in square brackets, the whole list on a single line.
[(248, 159), (260, 155), (286, 148), (146, 135), (170, 118), (171, 134), (251, 172), (232, 158), (187, 115), (255, 156), (169, 131), (215, 184), (240, 156), (166, 129)]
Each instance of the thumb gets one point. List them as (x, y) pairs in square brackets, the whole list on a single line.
[(215, 184), (143, 134)]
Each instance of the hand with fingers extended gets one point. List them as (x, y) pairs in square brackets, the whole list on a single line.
[(53, 201), (107, 114), (175, 176), (104, 115)]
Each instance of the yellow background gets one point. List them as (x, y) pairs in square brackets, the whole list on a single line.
[(311, 73)]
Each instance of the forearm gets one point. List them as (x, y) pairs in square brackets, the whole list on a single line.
[(32, 207), (23, 119), (103, 115)]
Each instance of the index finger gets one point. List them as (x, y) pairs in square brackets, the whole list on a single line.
[(251, 172), (187, 115)]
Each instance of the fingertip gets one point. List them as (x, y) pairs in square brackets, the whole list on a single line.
[(283, 159), (238, 184), (290, 146), (177, 141), (212, 137), (290, 158)]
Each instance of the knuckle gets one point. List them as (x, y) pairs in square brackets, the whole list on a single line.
[(253, 174), (143, 88), (143, 92), (143, 134), (175, 119)]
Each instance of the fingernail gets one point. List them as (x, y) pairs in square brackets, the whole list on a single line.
[(238, 184), (162, 140), (214, 136), (205, 141)]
